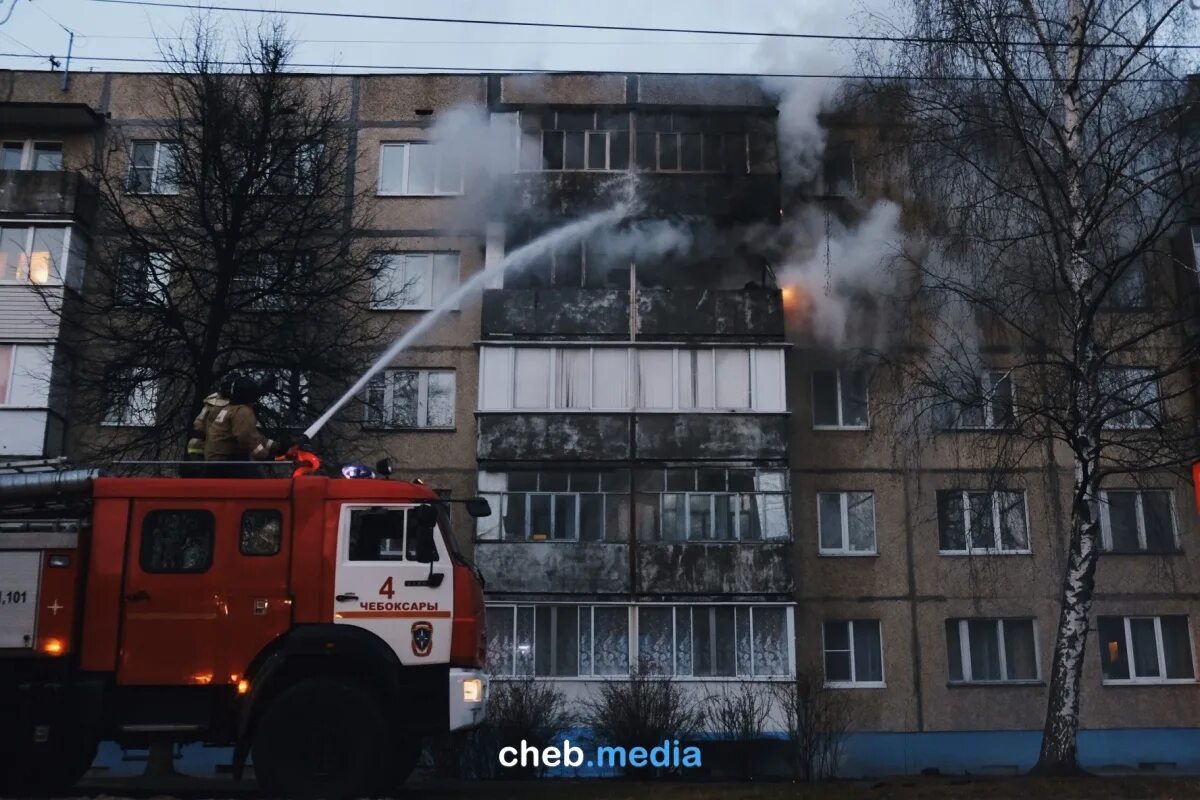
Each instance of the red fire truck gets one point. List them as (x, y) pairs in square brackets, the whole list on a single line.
[(321, 626)]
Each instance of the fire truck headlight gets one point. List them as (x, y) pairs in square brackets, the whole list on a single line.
[(472, 690), (52, 647)]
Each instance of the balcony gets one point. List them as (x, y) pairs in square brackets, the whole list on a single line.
[(720, 195), (599, 437), (30, 193), (715, 568), (662, 314), (541, 567)]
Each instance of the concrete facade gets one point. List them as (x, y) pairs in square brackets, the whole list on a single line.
[(633, 554)]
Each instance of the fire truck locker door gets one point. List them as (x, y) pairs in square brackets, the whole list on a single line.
[(19, 574), (394, 578), (172, 597)]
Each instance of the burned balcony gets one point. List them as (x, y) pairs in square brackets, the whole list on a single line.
[(46, 193), (540, 567), (715, 568), (661, 314)]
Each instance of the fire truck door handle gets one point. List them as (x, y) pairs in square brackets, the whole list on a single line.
[(346, 598), (137, 596)]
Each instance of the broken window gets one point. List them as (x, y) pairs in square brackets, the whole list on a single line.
[(415, 281), (564, 641), (840, 399), (713, 504), (713, 641), (1132, 397), (689, 142), (411, 398), (1137, 521), (556, 506), (853, 653), (982, 522), (846, 521), (418, 168), (1155, 649), (991, 650), (582, 140)]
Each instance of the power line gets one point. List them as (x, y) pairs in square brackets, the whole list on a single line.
[(517, 71), (45, 14), (596, 27), (22, 44)]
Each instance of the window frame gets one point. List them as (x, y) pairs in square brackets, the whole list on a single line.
[(422, 409), (60, 264), (853, 683), (789, 643), (1150, 412), (152, 409), (156, 185), (994, 497), (630, 641), (964, 648), (1106, 544), (212, 541), (407, 171), (841, 409), (29, 152), (6, 395), (242, 532), (157, 279), (987, 384), (844, 504), (404, 256), (1159, 647)]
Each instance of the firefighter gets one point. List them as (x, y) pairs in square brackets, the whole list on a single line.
[(212, 404), (232, 433)]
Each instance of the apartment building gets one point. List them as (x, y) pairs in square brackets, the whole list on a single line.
[(685, 481)]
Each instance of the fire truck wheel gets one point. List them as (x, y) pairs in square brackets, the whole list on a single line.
[(322, 738), (400, 762)]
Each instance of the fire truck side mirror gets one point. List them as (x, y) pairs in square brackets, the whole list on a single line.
[(479, 507), (426, 516)]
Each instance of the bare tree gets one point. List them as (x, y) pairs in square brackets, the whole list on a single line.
[(644, 711), (738, 714), (1049, 144), (228, 240), (814, 719)]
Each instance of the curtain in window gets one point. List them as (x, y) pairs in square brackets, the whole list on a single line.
[(696, 386), (655, 382), (744, 665), (612, 640), (610, 378), (985, 650), (1013, 533), (654, 641), (868, 658), (1145, 647), (572, 378), (770, 642), (1019, 652), (952, 534), (500, 640), (585, 640), (1113, 658), (524, 641)]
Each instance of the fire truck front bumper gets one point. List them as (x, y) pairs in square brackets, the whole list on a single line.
[(468, 698)]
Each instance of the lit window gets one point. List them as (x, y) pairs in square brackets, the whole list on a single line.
[(31, 155), (853, 653), (133, 399), (32, 254), (1155, 649), (416, 281), (1137, 521), (714, 641), (982, 522), (991, 650), (847, 523), (418, 168), (153, 167), (840, 399), (411, 398)]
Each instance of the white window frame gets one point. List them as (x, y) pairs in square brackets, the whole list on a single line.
[(1106, 519), (1161, 678), (404, 192), (844, 500), (30, 232), (422, 410), (964, 649), (403, 256), (789, 633), (156, 186), (987, 383), (854, 683), (28, 148), (5, 399), (129, 416), (1116, 424), (994, 497), (157, 270), (630, 641), (841, 426)]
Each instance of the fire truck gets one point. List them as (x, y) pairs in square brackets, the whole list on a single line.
[(320, 626)]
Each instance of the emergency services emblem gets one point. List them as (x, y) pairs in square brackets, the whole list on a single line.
[(422, 638)]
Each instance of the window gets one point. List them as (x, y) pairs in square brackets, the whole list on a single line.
[(389, 534), (840, 399), (418, 168), (262, 533), (285, 401), (154, 168), (706, 641), (31, 155), (411, 398), (142, 280), (853, 653), (1133, 397), (558, 640), (712, 504), (591, 506), (299, 172), (846, 521), (8, 354), (986, 403), (1137, 521), (133, 399), (982, 522), (177, 541), (991, 650), (1146, 649), (622, 378), (580, 140), (1128, 289), (838, 169), (33, 254), (415, 281), (272, 280), (683, 142)]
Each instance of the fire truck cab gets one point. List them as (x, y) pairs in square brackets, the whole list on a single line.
[(319, 626)]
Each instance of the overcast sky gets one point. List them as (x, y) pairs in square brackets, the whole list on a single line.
[(104, 29)]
